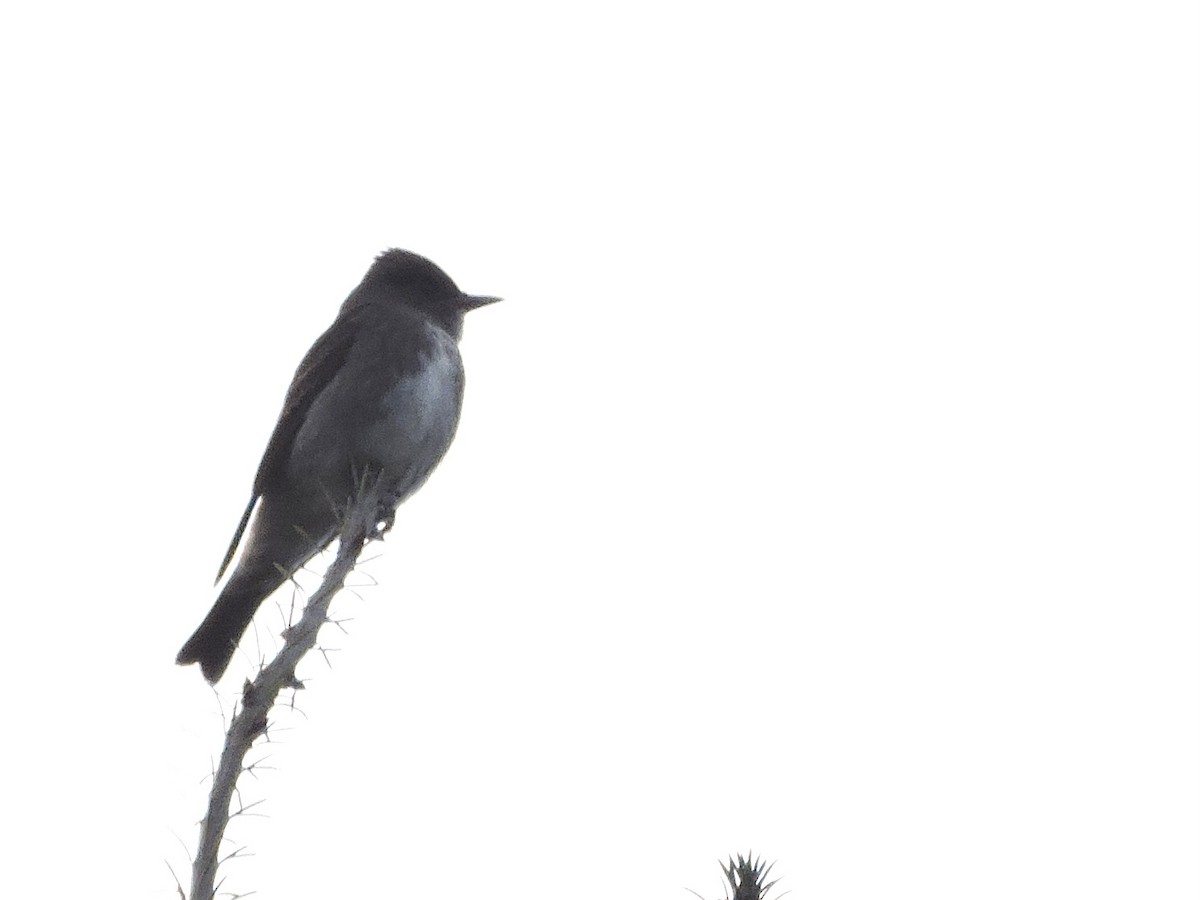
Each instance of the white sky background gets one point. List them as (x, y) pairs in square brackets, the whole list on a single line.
[(826, 486)]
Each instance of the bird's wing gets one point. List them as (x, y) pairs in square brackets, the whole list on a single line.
[(237, 538), (316, 370)]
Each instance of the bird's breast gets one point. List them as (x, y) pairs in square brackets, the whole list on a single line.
[(417, 413), (393, 407), (422, 406)]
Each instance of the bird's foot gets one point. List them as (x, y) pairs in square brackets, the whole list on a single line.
[(383, 524)]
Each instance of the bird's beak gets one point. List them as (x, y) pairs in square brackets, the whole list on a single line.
[(468, 302)]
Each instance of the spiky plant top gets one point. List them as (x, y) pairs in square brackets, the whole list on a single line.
[(747, 876)]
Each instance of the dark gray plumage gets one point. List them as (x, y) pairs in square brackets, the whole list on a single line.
[(377, 396)]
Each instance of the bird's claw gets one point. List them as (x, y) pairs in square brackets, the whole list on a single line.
[(384, 523)]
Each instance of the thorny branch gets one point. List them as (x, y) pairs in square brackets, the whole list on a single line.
[(259, 696)]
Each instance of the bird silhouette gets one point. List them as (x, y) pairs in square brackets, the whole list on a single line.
[(377, 398)]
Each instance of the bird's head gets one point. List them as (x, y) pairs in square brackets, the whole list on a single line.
[(403, 277)]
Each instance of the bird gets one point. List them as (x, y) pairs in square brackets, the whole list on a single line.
[(377, 396)]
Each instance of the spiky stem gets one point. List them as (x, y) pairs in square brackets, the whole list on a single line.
[(258, 697)]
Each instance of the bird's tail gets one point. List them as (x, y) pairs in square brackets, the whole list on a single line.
[(213, 643), (281, 540)]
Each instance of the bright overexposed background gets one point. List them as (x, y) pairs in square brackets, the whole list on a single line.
[(827, 485)]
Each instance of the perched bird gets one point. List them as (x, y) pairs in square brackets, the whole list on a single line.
[(378, 396)]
